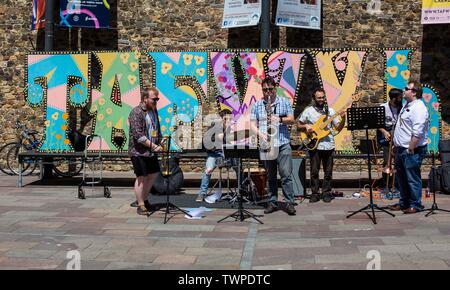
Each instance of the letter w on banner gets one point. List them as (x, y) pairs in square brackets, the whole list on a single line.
[(340, 73)]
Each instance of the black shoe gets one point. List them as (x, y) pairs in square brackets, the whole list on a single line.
[(314, 198), (290, 210), (327, 197), (270, 208), (134, 204)]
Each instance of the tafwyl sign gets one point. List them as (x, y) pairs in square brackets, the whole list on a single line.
[(299, 14), (85, 13), (239, 13), (38, 18)]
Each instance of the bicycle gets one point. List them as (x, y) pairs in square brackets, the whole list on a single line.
[(27, 141)]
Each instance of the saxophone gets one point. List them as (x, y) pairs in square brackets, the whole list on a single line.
[(265, 146)]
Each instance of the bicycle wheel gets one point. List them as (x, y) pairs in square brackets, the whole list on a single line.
[(28, 165), (3, 157), (67, 167)]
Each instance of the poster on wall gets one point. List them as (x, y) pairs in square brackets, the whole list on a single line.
[(85, 13), (299, 13), (38, 18), (238, 13), (435, 11)]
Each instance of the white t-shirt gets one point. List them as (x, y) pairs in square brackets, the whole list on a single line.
[(391, 115)]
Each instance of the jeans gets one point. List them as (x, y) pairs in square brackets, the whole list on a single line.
[(284, 165), (211, 163), (409, 178), (326, 158)]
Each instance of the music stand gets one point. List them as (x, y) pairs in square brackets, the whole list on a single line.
[(238, 151), (169, 205), (434, 207), (365, 119)]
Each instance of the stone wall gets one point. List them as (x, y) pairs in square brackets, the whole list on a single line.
[(195, 24)]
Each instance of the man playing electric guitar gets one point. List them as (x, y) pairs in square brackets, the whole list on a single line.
[(384, 138), (323, 151)]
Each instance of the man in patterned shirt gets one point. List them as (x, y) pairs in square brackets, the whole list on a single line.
[(281, 115), (145, 137), (324, 152)]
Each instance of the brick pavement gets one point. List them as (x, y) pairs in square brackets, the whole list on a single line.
[(39, 225)]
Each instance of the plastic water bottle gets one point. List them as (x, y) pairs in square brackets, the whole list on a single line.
[(427, 192)]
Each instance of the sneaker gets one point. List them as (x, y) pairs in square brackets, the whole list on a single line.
[(141, 210), (134, 204), (314, 198), (200, 198), (327, 197), (290, 210), (270, 208)]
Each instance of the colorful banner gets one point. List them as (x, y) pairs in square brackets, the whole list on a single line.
[(238, 13), (300, 14), (54, 82), (435, 11), (85, 13), (238, 75), (182, 80), (115, 93), (38, 18), (431, 99), (107, 84)]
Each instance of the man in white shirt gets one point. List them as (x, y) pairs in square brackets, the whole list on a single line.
[(410, 140), (325, 149)]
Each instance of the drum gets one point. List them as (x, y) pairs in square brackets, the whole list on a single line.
[(259, 179)]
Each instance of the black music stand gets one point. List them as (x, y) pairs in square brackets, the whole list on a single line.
[(237, 151), (434, 207), (169, 205), (365, 119)]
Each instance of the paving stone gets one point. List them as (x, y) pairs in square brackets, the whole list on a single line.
[(29, 253), (273, 267), (131, 266), (175, 259)]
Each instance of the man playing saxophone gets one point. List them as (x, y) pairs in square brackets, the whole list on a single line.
[(274, 113)]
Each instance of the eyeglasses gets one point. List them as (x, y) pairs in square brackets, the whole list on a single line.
[(268, 89)]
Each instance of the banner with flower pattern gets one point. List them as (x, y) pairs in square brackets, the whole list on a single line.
[(237, 77), (431, 99), (182, 80), (397, 69), (53, 82)]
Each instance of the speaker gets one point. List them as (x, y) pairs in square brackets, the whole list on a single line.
[(298, 175), (444, 151)]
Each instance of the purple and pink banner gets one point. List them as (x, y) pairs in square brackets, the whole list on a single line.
[(85, 13)]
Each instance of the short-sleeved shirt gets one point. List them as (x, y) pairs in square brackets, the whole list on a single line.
[(310, 116), (281, 107), (412, 121), (391, 115)]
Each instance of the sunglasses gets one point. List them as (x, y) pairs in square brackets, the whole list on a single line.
[(408, 89), (155, 99), (268, 89)]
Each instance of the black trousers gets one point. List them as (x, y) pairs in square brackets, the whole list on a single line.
[(326, 158)]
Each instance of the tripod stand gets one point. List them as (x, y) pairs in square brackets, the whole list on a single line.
[(166, 172), (241, 213), (434, 206), (367, 118)]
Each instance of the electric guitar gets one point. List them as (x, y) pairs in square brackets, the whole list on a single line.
[(320, 127)]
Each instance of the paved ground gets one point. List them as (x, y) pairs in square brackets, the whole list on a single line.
[(40, 224)]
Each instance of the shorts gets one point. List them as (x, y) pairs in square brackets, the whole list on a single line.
[(144, 166)]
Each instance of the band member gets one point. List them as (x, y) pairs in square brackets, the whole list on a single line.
[(392, 108), (215, 154), (144, 142), (410, 140), (325, 149), (278, 112)]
